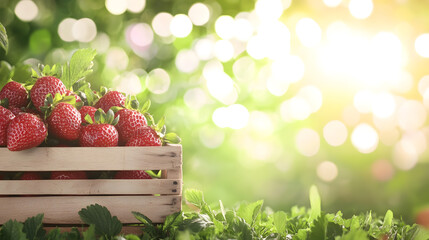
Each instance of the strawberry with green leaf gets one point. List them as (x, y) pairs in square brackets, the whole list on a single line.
[(66, 175), (130, 119), (25, 131), (43, 87), (15, 93), (101, 132), (64, 120), (87, 110), (111, 99), (134, 174), (154, 135)]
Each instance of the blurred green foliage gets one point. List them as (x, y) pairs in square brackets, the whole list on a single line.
[(230, 171)]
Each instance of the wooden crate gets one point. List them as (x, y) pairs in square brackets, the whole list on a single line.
[(61, 200)]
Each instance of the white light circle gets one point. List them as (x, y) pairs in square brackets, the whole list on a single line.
[(135, 6), (187, 61), (363, 100), (422, 45), (199, 14), (223, 50), (181, 26), (307, 142), (365, 138), (327, 171), (204, 48), (158, 81), (117, 58), (269, 9), (313, 96), (332, 3), (116, 7), (423, 84), (84, 30), (335, 133), (309, 32), (384, 105), (65, 29), (195, 98), (411, 115), (361, 9), (405, 156), (161, 24), (243, 29), (129, 83), (26, 10), (224, 27)]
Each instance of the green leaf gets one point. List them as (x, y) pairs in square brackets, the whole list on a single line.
[(105, 224), (12, 230), (172, 220), (4, 42), (355, 235), (142, 218), (280, 220), (388, 219), (131, 237), (54, 234), (88, 119), (315, 203), (79, 66), (160, 124), (5, 73), (250, 211), (146, 106), (172, 138), (195, 197), (98, 115), (110, 116), (89, 234), (33, 227), (135, 104), (115, 121), (318, 230)]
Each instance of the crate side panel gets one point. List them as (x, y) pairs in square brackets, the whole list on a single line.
[(64, 209), (91, 187), (91, 159)]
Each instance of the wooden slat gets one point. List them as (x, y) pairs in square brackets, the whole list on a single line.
[(91, 187), (92, 159), (64, 210)]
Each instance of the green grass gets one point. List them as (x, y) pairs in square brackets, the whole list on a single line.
[(247, 221)]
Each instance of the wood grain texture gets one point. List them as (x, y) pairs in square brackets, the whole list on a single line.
[(64, 209), (91, 187), (92, 158)]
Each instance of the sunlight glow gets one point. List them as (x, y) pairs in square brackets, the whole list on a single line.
[(181, 26), (187, 61), (364, 138), (361, 9), (161, 24), (26, 10), (327, 171), (307, 142), (335, 133), (269, 9), (422, 45), (199, 14), (308, 31)]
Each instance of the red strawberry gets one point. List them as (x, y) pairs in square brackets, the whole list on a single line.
[(137, 174), (98, 135), (25, 131), (111, 99), (87, 110), (145, 136), (129, 121), (16, 93), (43, 87), (70, 93), (64, 122), (15, 110), (63, 175), (6, 117), (31, 176)]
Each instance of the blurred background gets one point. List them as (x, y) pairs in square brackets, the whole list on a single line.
[(269, 96)]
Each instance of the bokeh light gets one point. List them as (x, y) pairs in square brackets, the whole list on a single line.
[(26, 10), (309, 32), (116, 7), (422, 45), (307, 142), (199, 14), (161, 24), (158, 81), (327, 171), (332, 3), (84, 30), (361, 9), (364, 138), (335, 133), (180, 26)]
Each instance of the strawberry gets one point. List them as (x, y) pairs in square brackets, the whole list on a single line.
[(70, 93), (129, 121), (65, 175), (15, 93), (87, 110), (31, 176), (101, 133), (64, 122), (25, 131), (145, 136), (43, 87), (15, 110), (111, 99), (137, 174), (6, 117)]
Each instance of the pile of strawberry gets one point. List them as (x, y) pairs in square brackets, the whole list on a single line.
[(51, 113)]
